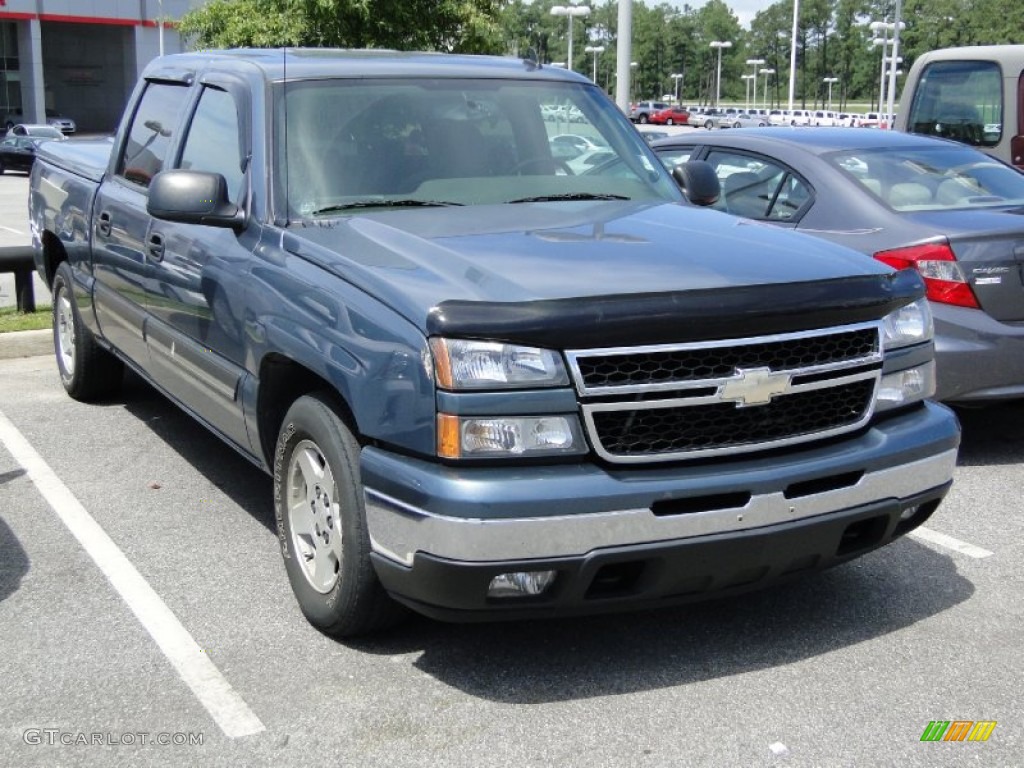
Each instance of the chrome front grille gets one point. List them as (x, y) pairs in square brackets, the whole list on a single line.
[(681, 401)]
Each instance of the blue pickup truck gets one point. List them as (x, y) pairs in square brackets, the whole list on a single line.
[(487, 383)]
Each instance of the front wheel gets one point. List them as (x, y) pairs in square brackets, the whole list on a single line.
[(643, 119), (87, 371), (708, 124), (321, 522), (669, 122)]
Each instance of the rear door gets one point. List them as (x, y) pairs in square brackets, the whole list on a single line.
[(120, 222)]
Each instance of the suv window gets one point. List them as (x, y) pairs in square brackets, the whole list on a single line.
[(959, 100), (212, 140), (151, 132)]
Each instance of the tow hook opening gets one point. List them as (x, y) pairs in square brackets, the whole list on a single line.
[(615, 579), (862, 534)]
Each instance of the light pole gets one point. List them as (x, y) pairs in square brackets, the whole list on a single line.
[(767, 73), (595, 49), (160, 24), (719, 44), (885, 27), (755, 63), (831, 81), (570, 11), (792, 53), (899, 25), (747, 79), (677, 77)]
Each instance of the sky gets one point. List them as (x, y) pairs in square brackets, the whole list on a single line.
[(744, 10)]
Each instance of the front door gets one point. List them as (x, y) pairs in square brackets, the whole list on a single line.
[(196, 292)]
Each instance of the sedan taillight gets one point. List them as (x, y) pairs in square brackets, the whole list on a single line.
[(939, 268)]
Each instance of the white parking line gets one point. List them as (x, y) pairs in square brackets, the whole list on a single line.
[(948, 542), (9, 229), (214, 692)]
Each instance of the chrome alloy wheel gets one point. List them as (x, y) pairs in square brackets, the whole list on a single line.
[(66, 332), (314, 516)]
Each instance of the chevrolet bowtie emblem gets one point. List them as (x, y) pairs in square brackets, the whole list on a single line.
[(754, 386)]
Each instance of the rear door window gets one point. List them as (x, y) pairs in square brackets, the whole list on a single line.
[(152, 132), (758, 187)]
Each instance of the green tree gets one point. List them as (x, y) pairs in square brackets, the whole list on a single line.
[(444, 25)]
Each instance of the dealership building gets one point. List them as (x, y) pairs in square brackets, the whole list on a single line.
[(80, 58)]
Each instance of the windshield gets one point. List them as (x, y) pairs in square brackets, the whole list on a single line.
[(945, 177), (350, 145), (959, 100)]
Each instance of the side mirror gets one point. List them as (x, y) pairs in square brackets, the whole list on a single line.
[(699, 182), (193, 197)]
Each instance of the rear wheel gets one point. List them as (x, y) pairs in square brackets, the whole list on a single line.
[(321, 522), (87, 371), (669, 122), (708, 124), (644, 119)]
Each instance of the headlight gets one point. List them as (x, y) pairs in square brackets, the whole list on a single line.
[(468, 364), (908, 325), (461, 437)]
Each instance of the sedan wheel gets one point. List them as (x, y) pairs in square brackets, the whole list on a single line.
[(669, 122), (643, 119)]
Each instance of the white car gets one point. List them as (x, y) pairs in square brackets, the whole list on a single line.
[(63, 124), (35, 131)]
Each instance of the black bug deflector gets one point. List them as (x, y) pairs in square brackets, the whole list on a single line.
[(679, 316)]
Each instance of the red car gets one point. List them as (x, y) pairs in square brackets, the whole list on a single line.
[(670, 116)]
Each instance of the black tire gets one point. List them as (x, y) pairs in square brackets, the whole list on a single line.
[(708, 124), (669, 122), (87, 371), (316, 462), (643, 119)]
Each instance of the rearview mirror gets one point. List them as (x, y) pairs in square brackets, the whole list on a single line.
[(698, 181), (193, 197)]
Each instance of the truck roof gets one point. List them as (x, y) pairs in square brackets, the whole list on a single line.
[(306, 63)]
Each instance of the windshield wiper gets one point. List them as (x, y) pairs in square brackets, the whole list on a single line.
[(384, 204), (570, 196)]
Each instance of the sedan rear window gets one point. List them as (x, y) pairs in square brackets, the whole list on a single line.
[(944, 178)]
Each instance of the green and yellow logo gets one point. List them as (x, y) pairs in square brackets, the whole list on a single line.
[(958, 730)]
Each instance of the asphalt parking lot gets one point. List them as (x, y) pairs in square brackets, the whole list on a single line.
[(143, 600)]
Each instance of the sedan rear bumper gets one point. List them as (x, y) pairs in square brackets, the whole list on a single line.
[(977, 358)]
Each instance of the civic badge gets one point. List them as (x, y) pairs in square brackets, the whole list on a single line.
[(754, 386)]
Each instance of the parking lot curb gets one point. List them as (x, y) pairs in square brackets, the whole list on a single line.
[(26, 344)]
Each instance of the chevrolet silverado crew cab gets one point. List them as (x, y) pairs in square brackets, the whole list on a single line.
[(487, 383)]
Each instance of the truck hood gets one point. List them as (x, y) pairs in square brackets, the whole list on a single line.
[(531, 263)]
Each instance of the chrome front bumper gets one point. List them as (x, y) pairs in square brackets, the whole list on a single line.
[(398, 529)]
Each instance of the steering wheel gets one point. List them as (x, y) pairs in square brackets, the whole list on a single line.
[(543, 163)]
